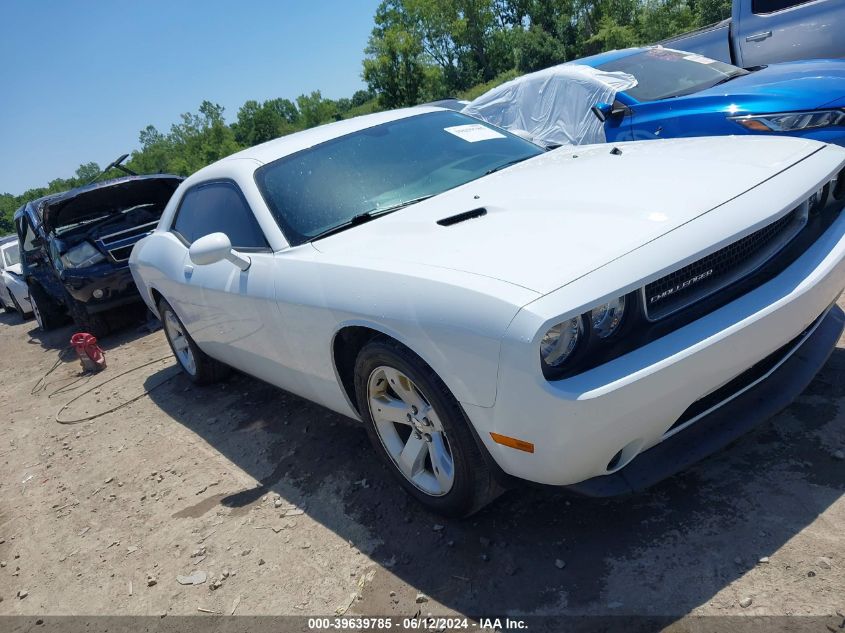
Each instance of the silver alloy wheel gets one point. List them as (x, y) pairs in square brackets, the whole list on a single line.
[(177, 338), (410, 431)]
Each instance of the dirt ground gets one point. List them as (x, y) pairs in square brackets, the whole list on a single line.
[(284, 509)]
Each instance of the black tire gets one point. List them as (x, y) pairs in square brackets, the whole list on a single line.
[(205, 370), (48, 313), (5, 307), (473, 485), (95, 324), (18, 307)]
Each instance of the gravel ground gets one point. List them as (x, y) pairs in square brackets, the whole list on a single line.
[(274, 505)]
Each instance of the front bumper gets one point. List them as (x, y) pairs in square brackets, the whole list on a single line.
[(115, 283), (580, 425), (759, 399)]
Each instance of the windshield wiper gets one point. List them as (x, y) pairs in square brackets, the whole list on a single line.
[(507, 164), (366, 216), (692, 91)]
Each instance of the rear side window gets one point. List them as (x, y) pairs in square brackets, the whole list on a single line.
[(218, 207), (12, 255), (770, 6)]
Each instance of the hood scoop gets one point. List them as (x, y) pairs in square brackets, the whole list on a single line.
[(463, 217)]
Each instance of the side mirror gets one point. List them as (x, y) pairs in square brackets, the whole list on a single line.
[(214, 248), (603, 111)]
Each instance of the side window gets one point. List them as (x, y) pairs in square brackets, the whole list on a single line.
[(770, 6), (27, 235), (218, 207)]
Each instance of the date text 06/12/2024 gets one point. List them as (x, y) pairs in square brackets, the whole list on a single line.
[(415, 624)]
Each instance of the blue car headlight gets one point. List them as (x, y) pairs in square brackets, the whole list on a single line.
[(82, 255), (791, 121)]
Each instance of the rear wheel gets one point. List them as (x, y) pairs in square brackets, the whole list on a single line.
[(200, 367), (48, 313), (420, 430), (17, 306)]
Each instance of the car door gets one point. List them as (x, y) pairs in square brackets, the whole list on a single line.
[(35, 262), (772, 31), (226, 310), (4, 291)]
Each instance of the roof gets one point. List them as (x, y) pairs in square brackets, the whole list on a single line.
[(292, 143), (609, 56)]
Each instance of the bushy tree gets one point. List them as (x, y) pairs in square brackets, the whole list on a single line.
[(394, 66), (419, 50), (314, 110), (260, 122)]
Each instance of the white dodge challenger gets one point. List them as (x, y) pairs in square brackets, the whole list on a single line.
[(597, 318)]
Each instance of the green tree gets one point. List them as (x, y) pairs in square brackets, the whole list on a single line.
[(360, 97), (314, 110), (710, 11), (260, 122), (394, 67), (87, 172)]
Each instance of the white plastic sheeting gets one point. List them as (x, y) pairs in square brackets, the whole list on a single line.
[(553, 105)]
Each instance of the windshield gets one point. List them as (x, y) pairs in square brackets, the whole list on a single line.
[(370, 171), (662, 73), (11, 255)]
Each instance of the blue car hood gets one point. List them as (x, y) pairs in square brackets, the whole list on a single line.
[(790, 86)]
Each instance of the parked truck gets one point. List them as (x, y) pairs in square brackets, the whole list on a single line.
[(769, 31)]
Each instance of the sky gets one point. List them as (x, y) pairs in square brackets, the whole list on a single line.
[(79, 80)]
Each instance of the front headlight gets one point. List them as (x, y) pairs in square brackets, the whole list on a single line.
[(82, 255), (566, 344), (607, 318), (791, 121), (561, 341)]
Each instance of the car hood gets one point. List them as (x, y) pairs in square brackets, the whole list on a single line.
[(107, 197), (556, 217), (788, 86)]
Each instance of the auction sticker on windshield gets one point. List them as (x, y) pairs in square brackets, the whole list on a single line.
[(701, 59), (474, 132)]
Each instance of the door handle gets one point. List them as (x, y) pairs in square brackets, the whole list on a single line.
[(189, 270), (758, 37)]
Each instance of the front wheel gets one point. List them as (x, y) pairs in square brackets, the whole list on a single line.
[(420, 430), (200, 367), (48, 313), (18, 307)]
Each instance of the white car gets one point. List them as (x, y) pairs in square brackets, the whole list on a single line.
[(14, 294), (596, 318)]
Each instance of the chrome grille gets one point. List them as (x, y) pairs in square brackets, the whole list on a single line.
[(121, 254), (708, 275)]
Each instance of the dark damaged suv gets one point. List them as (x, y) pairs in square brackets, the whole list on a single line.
[(75, 247)]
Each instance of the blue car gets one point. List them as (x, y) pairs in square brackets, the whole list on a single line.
[(655, 92)]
